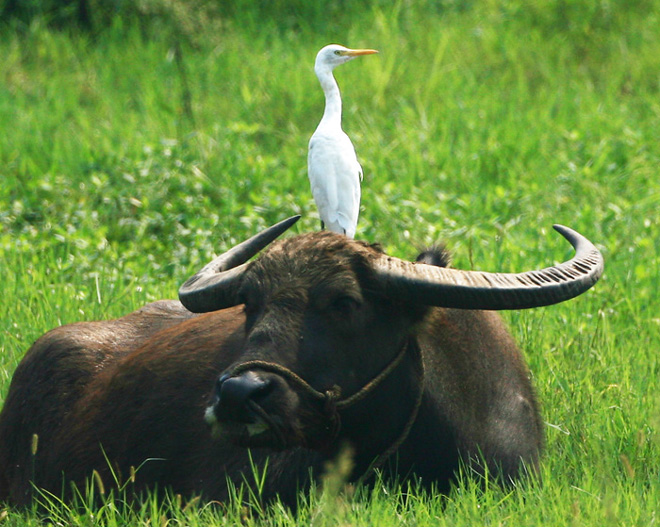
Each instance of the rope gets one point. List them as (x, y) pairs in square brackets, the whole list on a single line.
[(331, 397), (384, 456), (333, 403)]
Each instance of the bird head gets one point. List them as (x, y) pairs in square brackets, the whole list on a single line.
[(333, 55)]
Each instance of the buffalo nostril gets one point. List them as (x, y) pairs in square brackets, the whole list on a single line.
[(233, 394)]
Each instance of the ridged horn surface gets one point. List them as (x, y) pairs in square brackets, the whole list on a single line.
[(454, 288)]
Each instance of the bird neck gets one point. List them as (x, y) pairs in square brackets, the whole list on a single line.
[(332, 112)]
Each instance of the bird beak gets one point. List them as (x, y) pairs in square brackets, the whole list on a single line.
[(358, 52)]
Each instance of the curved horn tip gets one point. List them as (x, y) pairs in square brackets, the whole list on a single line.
[(275, 231), (289, 221), (573, 236), (563, 230)]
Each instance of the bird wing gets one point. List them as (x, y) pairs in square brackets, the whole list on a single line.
[(334, 175)]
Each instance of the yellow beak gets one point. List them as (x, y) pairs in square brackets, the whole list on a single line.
[(358, 52)]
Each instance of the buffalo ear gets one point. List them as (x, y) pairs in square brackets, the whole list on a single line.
[(437, 255)]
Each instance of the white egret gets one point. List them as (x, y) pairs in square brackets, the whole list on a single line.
[(332, 166)]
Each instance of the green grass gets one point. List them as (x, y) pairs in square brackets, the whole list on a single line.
[(479, 125)]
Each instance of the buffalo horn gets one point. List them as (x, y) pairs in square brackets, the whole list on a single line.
[(453, 288), (214, 287)]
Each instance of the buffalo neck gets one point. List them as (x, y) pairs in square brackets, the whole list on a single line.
[(372, 426)]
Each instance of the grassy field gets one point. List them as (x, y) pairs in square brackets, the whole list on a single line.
[(124, 166)]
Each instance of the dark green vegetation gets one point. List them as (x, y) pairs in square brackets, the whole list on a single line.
[(132, 153)]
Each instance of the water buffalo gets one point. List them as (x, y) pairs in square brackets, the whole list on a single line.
[(321, 342)]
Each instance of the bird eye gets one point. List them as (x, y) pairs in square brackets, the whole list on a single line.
[(337, 52)]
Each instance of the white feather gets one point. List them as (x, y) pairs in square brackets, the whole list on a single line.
[(333, 169)]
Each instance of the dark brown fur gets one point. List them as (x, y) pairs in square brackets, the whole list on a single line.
[(134, 390)]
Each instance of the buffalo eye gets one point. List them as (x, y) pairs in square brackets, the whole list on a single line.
[(345, 306)]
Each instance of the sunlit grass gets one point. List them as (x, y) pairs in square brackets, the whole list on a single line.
[(480, 126)]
